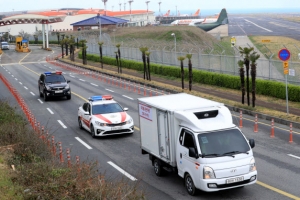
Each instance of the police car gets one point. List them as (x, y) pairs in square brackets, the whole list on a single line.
[(54, 84), (103, 116)]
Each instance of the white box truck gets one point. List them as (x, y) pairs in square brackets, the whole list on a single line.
[(196, 138)]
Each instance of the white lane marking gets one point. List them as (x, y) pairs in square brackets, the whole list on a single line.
[(109, 90), (12, 76), (26, 88), (50, 111), (294, 156), (94, 84), (82, 80), (127, 97), (32, 93), (9, 72), (82, 142), (72, 76), (21, 83), (62, 124), (258, 26), (50, 67), (16, 79), (122, 171), (40, 101)]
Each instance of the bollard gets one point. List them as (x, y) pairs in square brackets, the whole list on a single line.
[(77, 163), (272, 128), (241, 119), (53, 146), (150, 92), (69, 158), (61, 158), (139, 89), (129, 86), (38, 128), (255, 124), (144, 91), (124, 84), (134, 87), (156, 92), (291, 133)]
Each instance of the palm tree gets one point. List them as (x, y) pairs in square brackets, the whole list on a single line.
[(72, 48), (100, 50), (143, 50), (246, 52), (253, 58), (66, 44), (119, 54), (62, 48), (58, 37), (242, 76), (148, 63), (83, 50), (181, 59), (189, 56), (117, 59)]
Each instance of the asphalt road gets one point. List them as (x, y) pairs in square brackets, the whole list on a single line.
[(277, 160), (262, 25)]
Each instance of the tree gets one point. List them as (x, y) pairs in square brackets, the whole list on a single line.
[(83, 50), (253, 58), (119, 54), (143, 50), (189, 57), (62, 48), (148, 63), (181, 59), (72, 48), (58, 37), (36, 39), (242, 76), (67, 44), (246, 52), (100, 50), (117, 59)]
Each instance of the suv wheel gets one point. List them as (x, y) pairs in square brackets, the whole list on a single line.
[(41, 94), (92, 131), (79, 123)]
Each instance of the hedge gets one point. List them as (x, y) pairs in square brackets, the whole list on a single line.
[(263, 87)]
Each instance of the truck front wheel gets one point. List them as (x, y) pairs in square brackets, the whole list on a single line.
[(158, 170), (189, 185)]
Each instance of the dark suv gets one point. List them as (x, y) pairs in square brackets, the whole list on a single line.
[(53, 84)]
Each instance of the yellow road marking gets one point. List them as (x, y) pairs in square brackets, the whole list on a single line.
[(277, 190), (268, 125), (25, 57)]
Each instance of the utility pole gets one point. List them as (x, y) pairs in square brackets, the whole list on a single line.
[(130, 7), (159, 6), (120, 4), (104, 1), (147, 12)]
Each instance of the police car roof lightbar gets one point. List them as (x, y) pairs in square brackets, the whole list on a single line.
[(47, 73), (100, 98)]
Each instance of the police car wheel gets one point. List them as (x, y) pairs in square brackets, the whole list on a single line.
[(79, 123), (189, 185), (93, 131), (41, 94)]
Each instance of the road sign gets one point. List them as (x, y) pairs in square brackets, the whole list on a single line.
[(232, 40), (285, 65), (291, 72), (284, 54), (286, 71)]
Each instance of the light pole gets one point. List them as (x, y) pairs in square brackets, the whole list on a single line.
[(173, 34), (104, 1), (99, 23), (130, 7), (120, 4), (159, 6), (147, 12)]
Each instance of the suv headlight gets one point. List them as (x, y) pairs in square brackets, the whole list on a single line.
[(252, 165), (208, 173), (67, 87), (129, 121), (100, 124), (47, 87)]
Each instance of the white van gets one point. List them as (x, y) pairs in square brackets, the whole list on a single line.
[(4, 45), (196, 138)]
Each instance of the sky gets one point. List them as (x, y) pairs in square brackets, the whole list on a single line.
[(153, 5)]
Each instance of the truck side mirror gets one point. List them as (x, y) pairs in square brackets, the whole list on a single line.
[(252, 143), (192, 152)]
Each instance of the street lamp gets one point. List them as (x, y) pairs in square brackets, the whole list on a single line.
[(99, 22), (130, 7), (173, 34), (159, 6), (147, 11), (104, 1)]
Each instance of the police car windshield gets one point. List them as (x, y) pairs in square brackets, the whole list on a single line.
[(106, 108), (55, 78), (223, 142)]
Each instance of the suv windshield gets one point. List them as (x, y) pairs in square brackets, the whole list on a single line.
[(4, 43), (54, 78), (106, 108), (223, 143)]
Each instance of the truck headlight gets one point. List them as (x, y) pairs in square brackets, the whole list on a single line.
[(208, 173), (252, 165), (100, 124), (129, 121)]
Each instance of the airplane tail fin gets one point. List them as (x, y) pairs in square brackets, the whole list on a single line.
[(167, 13), (223, 19), (196, 13)]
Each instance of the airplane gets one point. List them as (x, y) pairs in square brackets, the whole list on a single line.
[(167, 14), (188, 21), (222, 19), (185, 15)]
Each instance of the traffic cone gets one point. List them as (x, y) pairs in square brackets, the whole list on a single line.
[(291, 133), (272, 129), (241, 119), (255, 124)]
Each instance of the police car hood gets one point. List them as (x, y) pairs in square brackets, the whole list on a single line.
[(112, 118)]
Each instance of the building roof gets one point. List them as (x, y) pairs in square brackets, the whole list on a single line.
[(30, 19), (104, 20)]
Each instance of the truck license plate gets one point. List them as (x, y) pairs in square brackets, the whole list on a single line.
[(116, 128), (234, 180), (58, 91)]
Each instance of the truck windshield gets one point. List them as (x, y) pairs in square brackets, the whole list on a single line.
[(222, 143)]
